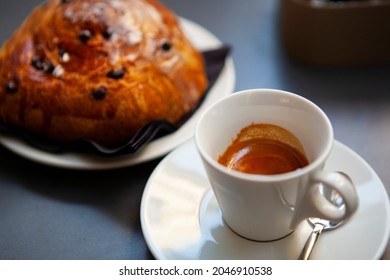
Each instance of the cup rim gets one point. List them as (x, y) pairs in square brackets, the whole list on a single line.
[(258, 177)]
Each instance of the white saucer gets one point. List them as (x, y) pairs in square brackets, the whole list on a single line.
[(181, 219), (203, 40)]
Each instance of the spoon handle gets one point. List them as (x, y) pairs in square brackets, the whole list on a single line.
[(311, 242)]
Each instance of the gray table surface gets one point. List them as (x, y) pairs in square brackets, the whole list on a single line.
[(50, 213)]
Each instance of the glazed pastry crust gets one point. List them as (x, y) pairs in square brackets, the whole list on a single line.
[(98, 70)]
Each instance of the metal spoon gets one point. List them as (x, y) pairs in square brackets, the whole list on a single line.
[(320, 225)]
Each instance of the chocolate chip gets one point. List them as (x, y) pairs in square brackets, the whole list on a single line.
[(48, 67), (61, 52), (12, 86), (116, 73), (85, 35), (36, 62), (65, 1), (99, 93), (166, 46), (42, 65), (107, 34)]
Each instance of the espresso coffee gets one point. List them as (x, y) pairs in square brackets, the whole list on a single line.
[(264, 149)]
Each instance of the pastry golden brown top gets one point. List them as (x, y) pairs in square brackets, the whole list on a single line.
[(98, 70)]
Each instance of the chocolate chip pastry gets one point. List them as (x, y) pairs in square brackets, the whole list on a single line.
[(98, 70)]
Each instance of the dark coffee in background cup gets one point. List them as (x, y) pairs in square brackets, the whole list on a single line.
[(264, 149)]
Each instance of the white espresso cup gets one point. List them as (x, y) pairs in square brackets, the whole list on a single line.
[(270, 207)]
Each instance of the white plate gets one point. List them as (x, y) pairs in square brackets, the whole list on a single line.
[(203, 40), (181, 219)]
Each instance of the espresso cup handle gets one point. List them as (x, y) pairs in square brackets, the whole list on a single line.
[(316, 204)]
